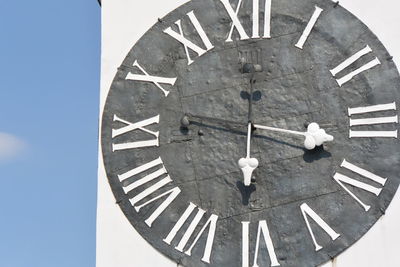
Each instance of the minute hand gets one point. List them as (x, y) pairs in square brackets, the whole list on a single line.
[(258, 126), (315, 136)]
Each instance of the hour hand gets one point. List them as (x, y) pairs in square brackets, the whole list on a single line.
[(314, 136), (248, 164)]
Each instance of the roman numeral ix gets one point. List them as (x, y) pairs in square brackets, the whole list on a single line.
[(129, 127)]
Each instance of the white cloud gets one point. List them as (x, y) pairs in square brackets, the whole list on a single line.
[(10, 146)]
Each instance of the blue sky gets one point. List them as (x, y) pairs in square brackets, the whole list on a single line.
[(49, 98)]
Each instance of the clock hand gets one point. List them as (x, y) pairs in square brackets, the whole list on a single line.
[(247, 164), (250, 116), (314, 136)]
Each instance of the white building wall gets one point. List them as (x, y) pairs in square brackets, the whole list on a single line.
[(118, 244)]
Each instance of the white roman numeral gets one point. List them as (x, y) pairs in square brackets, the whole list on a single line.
[(256, 19), (172, 193), (236, 24), (148, 78), (340, 179), (235, 20), (309, 27), (350, 61), (306, 210), (189, 44), (211, 223), (135, 126), (372, 121), (262, 228)]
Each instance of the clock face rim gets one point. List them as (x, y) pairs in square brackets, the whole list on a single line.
[(185, 5)]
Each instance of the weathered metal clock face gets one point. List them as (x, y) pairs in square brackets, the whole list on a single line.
[(181, 186)]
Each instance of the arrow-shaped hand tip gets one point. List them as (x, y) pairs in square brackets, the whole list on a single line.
[(247, 165)]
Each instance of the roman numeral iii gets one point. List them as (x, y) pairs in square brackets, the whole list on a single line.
[(372, 121), (350, 61), (187, 44), (155, 174), (211, 224), (340, 179), (262, 229)]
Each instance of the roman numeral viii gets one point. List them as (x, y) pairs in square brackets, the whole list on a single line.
[(373, 121), (350, 61), (211, 223), (340, 179), (152, 170)]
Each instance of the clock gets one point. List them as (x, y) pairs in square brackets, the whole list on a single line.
[(320, 139)]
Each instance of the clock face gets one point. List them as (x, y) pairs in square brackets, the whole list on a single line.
[(217, 133)]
